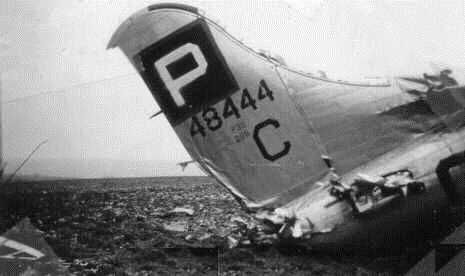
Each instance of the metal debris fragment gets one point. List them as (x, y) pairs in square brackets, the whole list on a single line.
[(176, 226), (232, 242), (182, 210), (205, 236)]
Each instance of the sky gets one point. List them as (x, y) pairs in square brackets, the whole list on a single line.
[(60, 84)]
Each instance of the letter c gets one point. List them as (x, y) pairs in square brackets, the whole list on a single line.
[(266, 154)]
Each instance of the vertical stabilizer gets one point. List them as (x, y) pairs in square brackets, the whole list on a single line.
[(227, 104)]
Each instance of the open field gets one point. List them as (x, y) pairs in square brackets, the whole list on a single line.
[(124, 226)]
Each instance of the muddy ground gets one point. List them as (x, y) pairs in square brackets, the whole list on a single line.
[(125, 227)]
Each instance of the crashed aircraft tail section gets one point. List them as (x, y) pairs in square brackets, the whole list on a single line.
[(228, 105), (307, 153), (257, 126)]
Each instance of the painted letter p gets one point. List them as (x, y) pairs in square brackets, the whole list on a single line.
[(174, 85)]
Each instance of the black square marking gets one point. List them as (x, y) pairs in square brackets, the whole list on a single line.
[(206, 89)]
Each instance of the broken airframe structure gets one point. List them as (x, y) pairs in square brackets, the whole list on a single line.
[(290, 146)]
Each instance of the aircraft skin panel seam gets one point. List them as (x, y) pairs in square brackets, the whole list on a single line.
[(311, 129), (302, 73)]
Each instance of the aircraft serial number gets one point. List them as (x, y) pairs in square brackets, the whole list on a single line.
[(212, 120)]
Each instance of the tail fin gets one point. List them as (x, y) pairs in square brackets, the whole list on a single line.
[(227, 104)]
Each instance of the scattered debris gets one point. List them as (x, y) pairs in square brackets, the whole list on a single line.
[(267, 238), (232, 242), (238, 220), (140, 218), (158, 212), (245, 242), (326, 230), (80, 262), (182, 210), (111, 226), (176, 226), (205, 236)]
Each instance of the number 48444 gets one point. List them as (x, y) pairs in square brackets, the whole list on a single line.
[(213, 120)]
